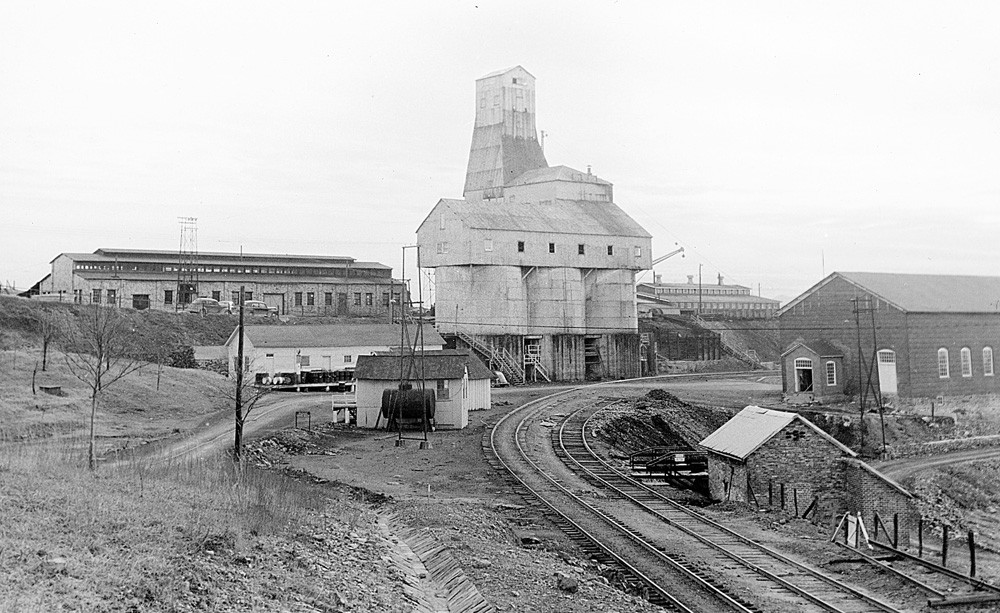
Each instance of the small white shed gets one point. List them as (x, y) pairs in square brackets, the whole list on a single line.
[(460, 380)]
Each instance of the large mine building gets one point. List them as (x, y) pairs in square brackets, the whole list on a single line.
[(535, 267)]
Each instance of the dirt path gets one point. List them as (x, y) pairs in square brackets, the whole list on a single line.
[(904, 468), (216, 435)]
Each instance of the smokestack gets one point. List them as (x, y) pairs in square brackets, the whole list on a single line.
[(720, 278), (588, 170), (690, 279)]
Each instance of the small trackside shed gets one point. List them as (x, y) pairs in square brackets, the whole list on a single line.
[(460, 380), (761, 447), (758, 447), (813, 372)]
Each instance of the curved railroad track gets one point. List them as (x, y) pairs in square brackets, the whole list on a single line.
[(673, 557)]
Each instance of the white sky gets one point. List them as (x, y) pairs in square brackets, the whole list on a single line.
[(763, 137)]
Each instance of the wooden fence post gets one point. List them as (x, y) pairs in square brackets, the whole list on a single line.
[(944, 546), (972, 553)]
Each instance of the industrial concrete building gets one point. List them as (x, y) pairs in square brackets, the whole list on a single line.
[(293, 284), (535, 267)]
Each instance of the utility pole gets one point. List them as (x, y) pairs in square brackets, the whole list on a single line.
[(238, 441), (699, 290)]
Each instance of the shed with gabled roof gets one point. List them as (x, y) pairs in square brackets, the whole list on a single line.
[(759, 450), (814, 372), (461, 383)]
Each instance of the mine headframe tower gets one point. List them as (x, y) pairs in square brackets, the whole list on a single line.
[(187, 262)]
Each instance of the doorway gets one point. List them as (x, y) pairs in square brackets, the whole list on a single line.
[(803, 375), (887, 372)]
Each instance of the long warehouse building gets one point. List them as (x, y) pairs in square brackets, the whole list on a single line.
[(150, 279)]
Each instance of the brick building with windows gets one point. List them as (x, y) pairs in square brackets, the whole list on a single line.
[(293, 284), (932, 335)]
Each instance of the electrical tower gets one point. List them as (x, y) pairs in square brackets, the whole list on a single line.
[(187, 262)]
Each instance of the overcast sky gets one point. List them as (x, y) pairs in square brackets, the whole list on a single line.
[(774, 141)]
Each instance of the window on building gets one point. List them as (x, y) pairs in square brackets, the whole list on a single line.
[(966, 356), (357, 298), (831, 373), (140, 302), (78, 296), (581, 249), (638, 252), (298, 299), (311, 299), (96, 296), (369, 299), (216, 295), (442, 389), (236, 298), (987, 361), (441, 226), (248, 295), (552, 247), (303, 361), (488, 244), (328, 299), (520, 246), (112, 296), (348, 359), (611, 249), (385, 298), (943, 371)]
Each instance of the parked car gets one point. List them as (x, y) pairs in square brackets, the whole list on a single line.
[(258, 307), (228, 305), (205, 306)]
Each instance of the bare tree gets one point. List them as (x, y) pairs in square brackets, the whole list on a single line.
[(99, 350), (48, 328), (245, 391)]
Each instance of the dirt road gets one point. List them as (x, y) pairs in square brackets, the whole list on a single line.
[(904, 468)]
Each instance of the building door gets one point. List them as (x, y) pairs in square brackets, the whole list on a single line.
[(803, 375), (887, 372), (341, 303), (276, 301), (269, 364)]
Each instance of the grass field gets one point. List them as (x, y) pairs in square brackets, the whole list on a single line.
[(137, 537)]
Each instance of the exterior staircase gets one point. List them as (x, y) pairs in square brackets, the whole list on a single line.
[(496, 359), (729, 342)]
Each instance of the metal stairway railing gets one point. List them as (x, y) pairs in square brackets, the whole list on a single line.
[(495, 358)]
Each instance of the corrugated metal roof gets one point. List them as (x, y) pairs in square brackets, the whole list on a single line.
[(336, 335), (916, 293), (754, 426), (232, 277), (443, 364), (562, 216), (556, 173)]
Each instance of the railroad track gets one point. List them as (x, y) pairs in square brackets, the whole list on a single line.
[(524, 447), (814, 586)]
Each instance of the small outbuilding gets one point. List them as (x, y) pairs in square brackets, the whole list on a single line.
[(461, 383), (761, 450), (813, 372), (761, 456)]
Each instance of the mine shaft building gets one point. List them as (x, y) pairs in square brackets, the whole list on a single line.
[(535, 267)]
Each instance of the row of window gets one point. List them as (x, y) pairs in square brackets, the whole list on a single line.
[(708, 291), (581, 249), (727, 306), (965, 359), (268, 270)]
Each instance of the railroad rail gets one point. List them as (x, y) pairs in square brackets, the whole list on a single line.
[(600, 530), (819, 588)]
